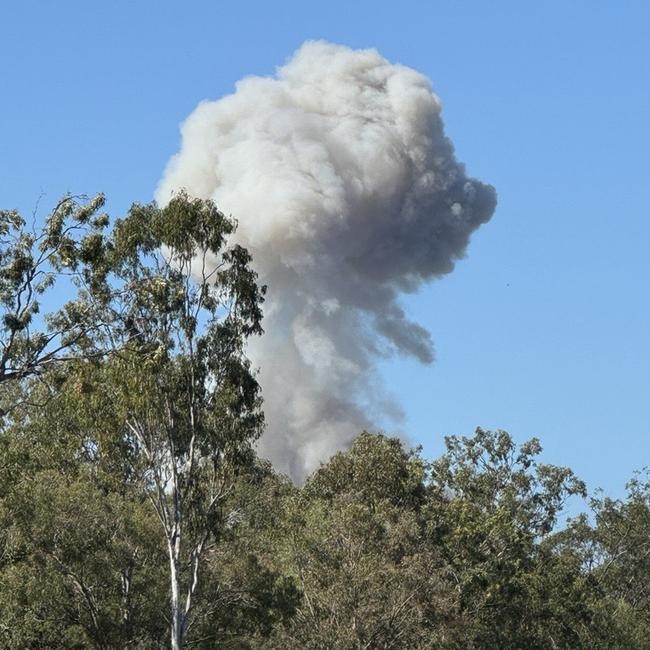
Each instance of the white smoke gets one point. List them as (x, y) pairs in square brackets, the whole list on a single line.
[(347, 194)]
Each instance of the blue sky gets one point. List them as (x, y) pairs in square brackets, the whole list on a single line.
[(543, 329)]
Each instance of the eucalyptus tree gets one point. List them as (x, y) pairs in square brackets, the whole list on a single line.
[(159, 313), (613, 547), (180, 303), (83, 563), (392, 551), (354, 541), (491, 509)]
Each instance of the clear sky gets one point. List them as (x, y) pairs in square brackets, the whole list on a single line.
[(543, 329)]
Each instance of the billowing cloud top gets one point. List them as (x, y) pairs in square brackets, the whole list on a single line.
[(347, 194)]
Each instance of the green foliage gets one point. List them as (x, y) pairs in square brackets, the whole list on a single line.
[(375, 469), (157, 406), (135, 514), (177, 307), (80, 555), (354, 541), (393, 552), (490, 506), (613, 548), (70, 245), (456, 553)]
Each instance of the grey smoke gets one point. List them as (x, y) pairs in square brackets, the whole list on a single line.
[(348, 195)]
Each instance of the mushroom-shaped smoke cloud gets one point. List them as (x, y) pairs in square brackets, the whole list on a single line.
[(347, 194)]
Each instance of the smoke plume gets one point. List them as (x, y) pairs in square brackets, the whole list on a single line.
[(348, 195)]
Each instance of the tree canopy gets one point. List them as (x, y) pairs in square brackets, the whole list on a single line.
[(134, 512)]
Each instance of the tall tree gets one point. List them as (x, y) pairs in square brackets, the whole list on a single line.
[(82, 560), (393, 552), (181, 305), (354, 540), (490, 506), (613, 547)]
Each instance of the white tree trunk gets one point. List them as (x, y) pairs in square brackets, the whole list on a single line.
[(177, 614)]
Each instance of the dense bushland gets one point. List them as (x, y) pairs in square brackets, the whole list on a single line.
[(134, 512)]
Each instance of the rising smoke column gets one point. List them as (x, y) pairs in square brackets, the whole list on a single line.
[(347, 194)]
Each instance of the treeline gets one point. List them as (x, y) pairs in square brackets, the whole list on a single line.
[(134, 512)]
